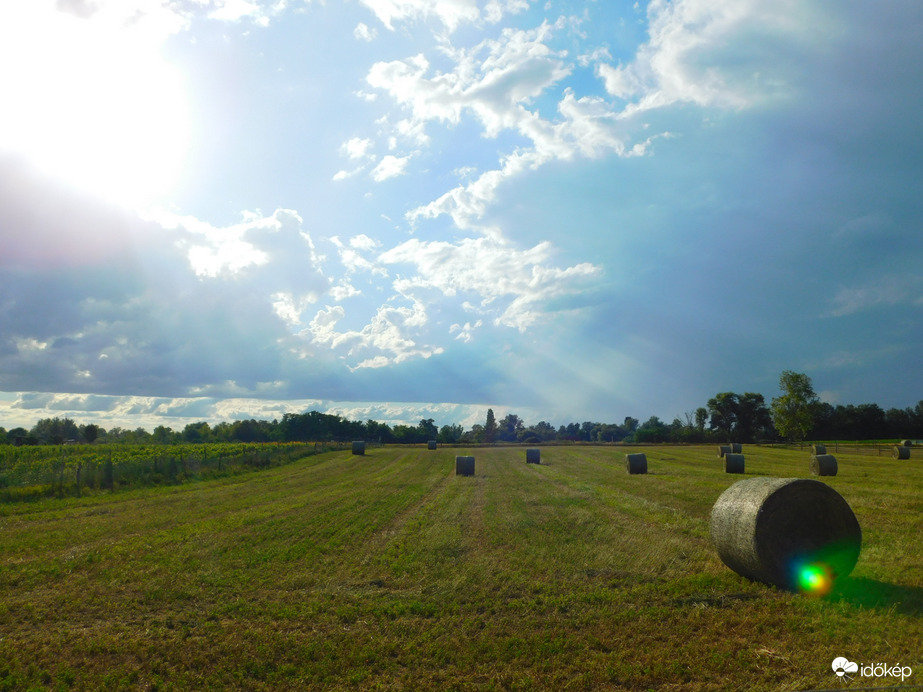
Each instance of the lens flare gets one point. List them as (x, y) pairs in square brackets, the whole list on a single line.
[(815, 579)]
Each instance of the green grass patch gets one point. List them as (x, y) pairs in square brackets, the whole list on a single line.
[(387, 571)]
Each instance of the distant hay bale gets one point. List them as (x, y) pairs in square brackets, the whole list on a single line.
[(818, 449), (906, 443), (733, 463), (533, 456), (358, 447), (464, 466), (823, 465), (901, 452), (636, 463), (724, 449), (736, 448), (431, 444), (774, 529)]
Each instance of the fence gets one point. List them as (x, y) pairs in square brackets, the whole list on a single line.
[(865, 447)]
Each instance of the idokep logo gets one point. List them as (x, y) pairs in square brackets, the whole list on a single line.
[(843, 667)]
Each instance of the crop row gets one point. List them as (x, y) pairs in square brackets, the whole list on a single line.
[(34, 472)]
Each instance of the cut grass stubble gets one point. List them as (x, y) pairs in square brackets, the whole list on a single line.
[(388, 571)]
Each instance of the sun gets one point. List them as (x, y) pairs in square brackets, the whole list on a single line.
[(92, 104)]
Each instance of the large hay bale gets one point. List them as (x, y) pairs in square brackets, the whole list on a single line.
[(724, 449), (358, 447), (906, 443), (431, 444), (818, 449), (901, 452), (636, 463), (823, 465), (736, 448), (533, 456), (733, 463), (464, 466), (795, 533)]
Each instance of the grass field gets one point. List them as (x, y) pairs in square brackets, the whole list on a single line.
[(389, 572)]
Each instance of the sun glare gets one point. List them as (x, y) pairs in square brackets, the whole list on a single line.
[(94, 106)]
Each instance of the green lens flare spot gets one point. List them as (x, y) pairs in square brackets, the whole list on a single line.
[(815, 579)]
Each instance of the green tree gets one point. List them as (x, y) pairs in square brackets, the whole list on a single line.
[(428, 429), (450, 434), (90, 432), (723, 409), (752, 417), (793, 412), (509, 427), (701, 417), (490, 427)]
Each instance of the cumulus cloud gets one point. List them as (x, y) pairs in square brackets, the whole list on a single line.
[(711, 53), (515, 285), (388, 339), (363, 33), (450, 12), (390, 167)]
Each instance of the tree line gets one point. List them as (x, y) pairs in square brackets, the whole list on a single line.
[(797, 414)]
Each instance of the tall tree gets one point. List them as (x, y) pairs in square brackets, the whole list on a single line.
[(793, 412), (490, 427), (752, 416), (723, 410)]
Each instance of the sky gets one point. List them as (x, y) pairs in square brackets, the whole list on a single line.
[(406, 209)]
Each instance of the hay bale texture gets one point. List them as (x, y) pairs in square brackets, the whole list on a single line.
[(770, 529), (818, 449), (724, 449), (736, 448), (358, 447), (464, 466), (636, 463), (733, 463), (533, 456), (823, 465), (431, 444), (901, 452)]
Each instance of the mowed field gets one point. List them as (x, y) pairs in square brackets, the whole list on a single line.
[(388, 572)]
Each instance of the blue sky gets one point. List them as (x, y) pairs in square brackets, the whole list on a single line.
[(398, 209)]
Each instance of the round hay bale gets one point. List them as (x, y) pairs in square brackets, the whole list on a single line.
[(906, 443), (736, 448), (795, 533), (464, 466), (533, 456), (823, 465), (733, 463), (818, 449), (431, 444), (724, 449), (636, 463), (901, 452), (358, 447)]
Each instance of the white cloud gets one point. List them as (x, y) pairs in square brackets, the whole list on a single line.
[(710, 53), (357, 148), (450, 12), (363, 33), (515, 285), (884, 292), (493, 80), (390, 167), (351, 256), (465, 332), (389, 335)]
